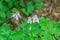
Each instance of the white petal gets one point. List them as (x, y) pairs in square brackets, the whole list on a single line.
[(38, 21), (16, 18)]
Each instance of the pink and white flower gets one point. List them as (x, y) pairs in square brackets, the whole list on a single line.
[(29, 20), (16, 15), (35, 19)]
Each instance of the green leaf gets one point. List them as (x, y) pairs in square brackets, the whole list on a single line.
[(10, 4), (30, 7), (8, 0), (1, 6), (14, 10), (9, 14), (5, 30), (21, 3), (2, 14), (18, 35), (16, 3), (24, 11), (47, 37), (58, 38), (37, 1), (3, 38), (26, 37), (38, 6), (2, 20)]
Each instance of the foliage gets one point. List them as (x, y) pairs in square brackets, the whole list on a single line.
[(9, 6), (43, 30)]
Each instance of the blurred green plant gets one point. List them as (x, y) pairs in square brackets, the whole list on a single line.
[(44, 30)]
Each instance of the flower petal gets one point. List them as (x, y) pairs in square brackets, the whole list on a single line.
[(29, 20), (35, 19)]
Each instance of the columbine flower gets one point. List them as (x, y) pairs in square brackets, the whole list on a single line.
[(16, 15), (35, 19), (29, 20)]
